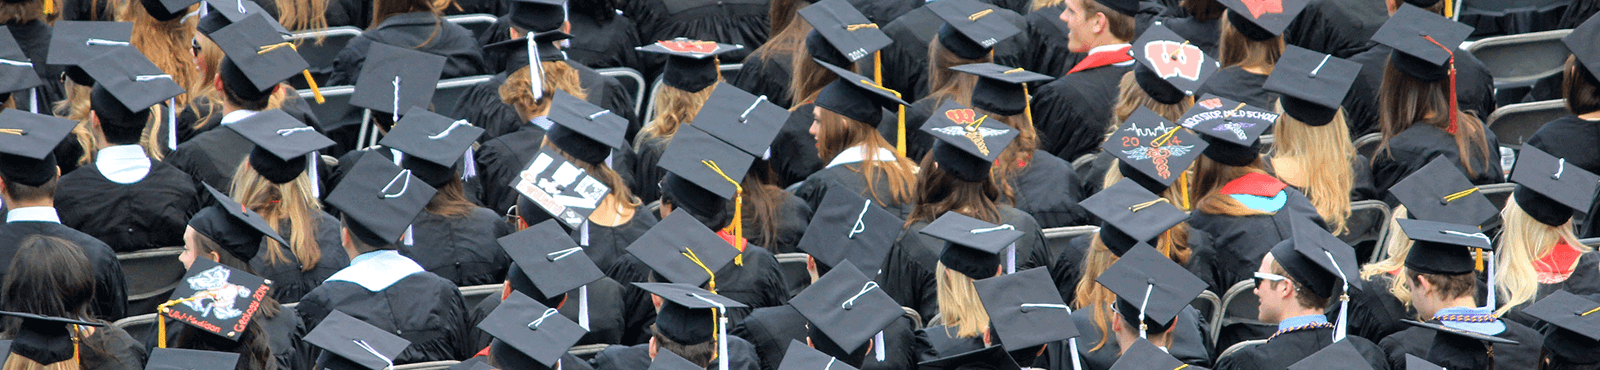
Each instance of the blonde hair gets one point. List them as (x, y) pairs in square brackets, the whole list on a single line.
[(675, 107), (1090, 294), (1524, 240), (15, 361), (1130, 97), (945, 83), (1397, 246), (1041, 4), (517, 91), (1324, 155), (291, 201), (300, 15), (959, 306), (837, 133)]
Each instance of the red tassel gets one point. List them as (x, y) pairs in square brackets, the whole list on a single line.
[(1453, 104)]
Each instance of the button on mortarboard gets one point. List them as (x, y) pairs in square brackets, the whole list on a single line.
[(1025, 309), (741, 119), (259, 53), (706, 161), (993, 357), (532, 328), (1173, 60), (1150, 285), (356, 344), (1157, 150), (799, 356), (1312, 84), (1440, 192), (1575, 326), (691, 64), (17, 72), (216, 299), (848, 227), (189, 359), (971, 28), (1268, 17), (847, 306), (1143, 355), (26, 143), (683, 250), (136, 82), (850, 33), (1581, 42), (380, 199), (1340, 355), (394, 79), (549, 257), (1131, 215), (44, 339), (1549, 188)]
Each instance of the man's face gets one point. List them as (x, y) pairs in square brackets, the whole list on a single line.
[(1270, 291), (1082, 26)]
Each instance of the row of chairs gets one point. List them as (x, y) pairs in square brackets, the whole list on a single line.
[(142, 324)]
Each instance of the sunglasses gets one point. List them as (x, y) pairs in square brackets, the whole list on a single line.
[(1260, 276)]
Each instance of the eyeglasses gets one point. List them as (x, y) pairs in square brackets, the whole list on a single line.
[(1259, 276)]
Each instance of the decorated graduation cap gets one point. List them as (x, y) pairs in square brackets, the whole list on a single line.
[(351, 344), (971, 29), (1170, 68), (1025, 309), (583, 130), (523, 51), (684, 251), (548, 265), (237, 229), (166, 10), (1262, 19), (691, 316), (859, 99), (1341, 355), (1549, 188), (846, 308), (972, 246), (993, 357), (1424, 47), (213, 298), (27, 141), (394, 79), (1460, 349), (1150, 288), (258, 58), (967, 143), (538, 15), (75, 42), (691, 64), (1449, 249), (1312, 85), (1131, 215), (1126, 7), (128, 85), (1143, 355), (283, 145), (841, 35), (1152, 151), (16, 70), (703, 174), (1000, 89), (189, 359), (536, 331), (47, 339), (849, 227), (1233, 128), (379, 199), (432, 144), (1575, 329), (1581, 43), (559, 188), (799, 356), (668, 360), (1322, 263), (224, 13), (741, 119), (1440, 192)]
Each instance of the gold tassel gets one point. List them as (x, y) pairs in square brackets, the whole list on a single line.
[(711, 284), (738, 211), (312, 83), (1479, 259), (50, 8)]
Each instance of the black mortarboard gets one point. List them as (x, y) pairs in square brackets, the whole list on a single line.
[(849, 33), (972, 246), (1312, 85), (1576, 327), (217, 299), (1000, 89), (668, 360), (282, 143), (1443, 248), (1153, 151), (802, 357), (475, 363), (189, 359), (856, 97), (1340, 355), (1459, 349), (223, 14), (44, 339), (257, 57), (673, 246), (1233, 128), (967, 143), (1170, 67), (849, 227), (394, 79), (741, 119), (236, 228), (1126, 7), (991, 358), (1309, 256), (75, 42), (1131, 215), (532, 328), (538, 15), (16, 70), (1581, 43), (552, 263), (1417, 363), (1151, 286), (166, 10), (971, 29), (1025, 309), (380, 199), (848, 307), (703, 171), (685, 316), (1440, 192), (1143, 355), (583, 130), (1423, 41), (27, 141), (560, 188), (1549, 188), (691, 64), (133, 81), (516, 54), (349, 343), (432, 144), (1262, 19)]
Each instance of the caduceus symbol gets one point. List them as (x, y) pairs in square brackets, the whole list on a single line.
[(1236, 127), (967, 126), (1161, 148)]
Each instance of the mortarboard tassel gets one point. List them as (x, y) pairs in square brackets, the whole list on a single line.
[(738, 211), (535, 71), (50, 8), (1453, 104), (161, 316), (711, 284), (1142, 305), (721, 330), (316, 185), (310, 82), (1344, 299)]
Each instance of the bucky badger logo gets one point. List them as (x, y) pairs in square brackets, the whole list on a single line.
[(1171, 59), (217, 294)]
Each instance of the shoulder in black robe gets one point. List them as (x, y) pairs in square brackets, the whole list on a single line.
[(885, 11), (1049, 190), (759, 283), (151, 213), (463, 249), (1072, 112), (1375, 313), (1571, 137), (646, 166), (770, 331), (286, 333), (739, 22), (110, 292), (1416, 341), (845, 176), (793, 216), (1291, 347), (936, 341), (607, 247), (1415, 147), (290, 280), (111, 348), (767, 74), (1339, 28), (212, 157), (1239, 85), (472, 187), (422, 308), (603, 43), (794, 150), (638, 357), (1050, 53), (1474, 89), (905, 62), (464, 57), (353, 13)]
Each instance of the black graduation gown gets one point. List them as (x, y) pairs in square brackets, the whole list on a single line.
[(289, 280), (1068, 268), (111, 348), (936, 341), (481, 104), (845, 176), (110, 292), (212, 157), (1205, 34), (1572, 138), (759, 283), (1417, 340), (1291, 347), (422, 308), (793, 216), (286, 333), (1375, 313), (905, 62), (1415, 147), (87, 10), (765, 75), (606, 308), (909, 281), (1339, 28), (1072, 112), (794, 150), (1474, 89), (638, 357), (1049, 190), (1031, 251), (770, 330), (464, 57), (605, 43), (738, 22), (34, 38), (885, 11), (502, 159), (151, 213), (463, 249), (607, 247), (1049, 53), (1188, 343), (1239, 85), (459, 7)]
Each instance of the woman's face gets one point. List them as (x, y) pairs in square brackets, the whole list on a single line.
[(816, 126), (191, 247)]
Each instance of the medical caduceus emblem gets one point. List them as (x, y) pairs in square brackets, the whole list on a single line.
[(967, 126), (1160, 149)]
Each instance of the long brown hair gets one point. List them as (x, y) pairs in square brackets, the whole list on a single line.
[(674, 108), (1130, 97), (1404, 101), (946, 84), (301, 15), (1324, 155), (938, 192), (1211, 176), (789, 36), (383, 9), (601, 171), (289, 209), (1580, 88), (451, 200), (22, 12), (517, 91), (838, 133), (763, 204), (49, 276), (1238, 50), (808, 77)]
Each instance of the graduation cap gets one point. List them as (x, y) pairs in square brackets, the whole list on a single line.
[(394, 79), (222, 14), (45, 339), (847, 308), (1262, 19), (1550, 189), (1417, 363), (17, 72), (1581, 43), (380, 199), (257, 58), (1131, 215), (971, 28), (433, 144), (967, 143), (1126, 7), (1312, 85), (683, 250), (1025, 309), (1150, 288), (1322, 263), (560, 188), (1576, 327), (550, 263), (972, 246), (803, 357), (538, 15), (691, 315), (1439, 192), (583, 130), (668, 360), (1233, 128), (1143, 355), (691, 64), (1448, 249), (993, 357), (216, 299), (849, 227), (282, 144), (132, 81), (1152, 151), (1340, 355), (523, 51), (75, 42), (741, 119), (1170, 68), (856, 97), (538, 331), (166, 10), (1000, 89), (189, 359), (351, 344), (847, 34), (1424, 42), (1459, 349), (704, 172), (236, 228), (27, 141)]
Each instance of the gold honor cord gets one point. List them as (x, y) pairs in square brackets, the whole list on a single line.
[(738, 210), (312, 83)]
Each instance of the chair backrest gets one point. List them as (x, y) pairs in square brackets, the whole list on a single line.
[(434, 365), (477, 23), (1083, 161), (1266, 142), (916, 318), (449, 91), (1516, 60), (1057, 239), (1367, 226), (1498, 193), (1592, 242), (1210, 307), (795, 276), (151, 276), (728, 71), (1239, 305), (477, 293), (320, 55), (1367, 144), (138, 326), (335, 111), (1513, 124), (631, 79), (587, 351), (1238, 346)]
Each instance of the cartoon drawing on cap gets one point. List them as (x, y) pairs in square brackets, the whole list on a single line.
[(967, 126), (1172, 59)]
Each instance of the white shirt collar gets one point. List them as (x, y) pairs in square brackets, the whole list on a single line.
[(236, 116), (123, 164), (33, 214), (855, 154)]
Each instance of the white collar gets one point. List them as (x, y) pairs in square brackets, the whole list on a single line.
[(854, 154), (236, 116), (122, 164), (377, 270), (33, 214)]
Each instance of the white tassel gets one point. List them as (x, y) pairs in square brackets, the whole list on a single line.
[(583, 307), (172, 124), (471, 165), (316, 185), (877, 347), (536, 73)]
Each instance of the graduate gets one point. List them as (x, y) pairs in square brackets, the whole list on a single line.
[(453, 237), (378, 203), (1539, 254), (972, 250), (768, 69), (531, 335), (1252, 43), (849, 228), (43, 338), (1073, 111), (209, 55), (962, 40), (775, 217), (397, 82), (27, 40), (1337, 28), (1474, 85), (849, 318), (562, 277), (1032, 180), (1027, 315), (906, 60), (692, 325), (161, 32), (1151, 293), (847, 113), (993, 357), (1569, 336), (28, 180), (1311, 147), (276, 183), (1580, 88), (692, 74), (72, 48), (831, 32), (411, 24), (778, 332), (129, 200), (733, 22), (1049, 54), (20, 78)]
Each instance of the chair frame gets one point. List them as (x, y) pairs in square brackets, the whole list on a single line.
[(1520, 39), (631, 74), (1233, 293), (1500, 114)]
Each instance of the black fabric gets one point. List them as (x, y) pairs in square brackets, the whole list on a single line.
[(116, 350), (766, 74), (1239, 85), (501, 160), (759, 283), (743, 357), (411, 30), (1072, 112), (606, 247), (422, 308), (1566, 137), (959, 44), (819, 47), (905, 62), (148, 214), (1067, 269), (794, 151), (742, 22), (845, 177), (1418, 68), (1156, 87), (237, 83), (212, 157), (111, 112), (290, 280), (918, 142), (1288, 348), (1031, 250), (1248, 28), (1049, 53), (606, 313), (431, 173), (1306, 112), (1338, 28), (1231, 154), (274, 169), (691, 198), (1411, 149), (1373, 310), (1050, 190), (28, 171), (1417, 341), (110, 301), (578, 146), (462, 249), (1543, 209), (770, 330), (647, 172), (234, 236), (958, 163)]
